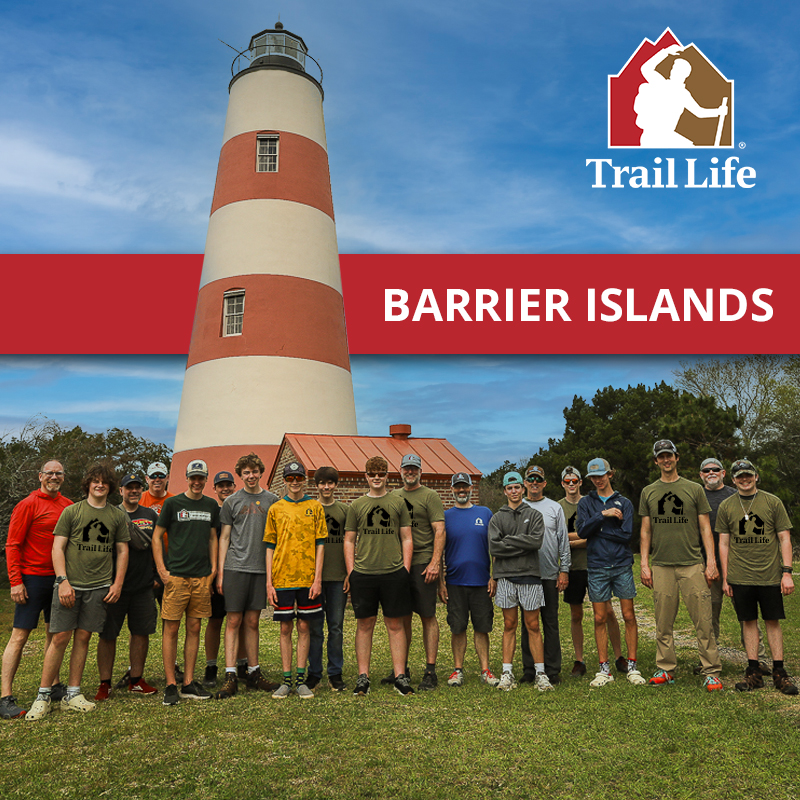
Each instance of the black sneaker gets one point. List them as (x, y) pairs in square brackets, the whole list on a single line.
[(621, 665), (428, 683), (210, 678), (229, 686), (312, 681), (753, 679), (124, 681), (362, 685), (194, 691), (336, 682), (783, 683), (58, 692), (402, 685), (255, 680), (171, 696), (9, 708)]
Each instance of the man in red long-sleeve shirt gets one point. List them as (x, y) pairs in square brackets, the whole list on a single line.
[(29, 556)]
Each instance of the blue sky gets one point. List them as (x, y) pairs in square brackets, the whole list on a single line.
[(453, 127)]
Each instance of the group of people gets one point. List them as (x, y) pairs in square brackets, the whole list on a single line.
[(90, 565)]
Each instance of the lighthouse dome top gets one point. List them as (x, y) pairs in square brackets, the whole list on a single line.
[(277, 47)]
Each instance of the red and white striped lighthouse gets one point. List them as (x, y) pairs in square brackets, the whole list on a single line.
[(268, 353)]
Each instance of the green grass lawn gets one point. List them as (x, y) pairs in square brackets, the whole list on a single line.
[(617, 742)]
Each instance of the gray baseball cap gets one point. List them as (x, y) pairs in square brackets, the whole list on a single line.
[(411, 460), (597, 467), (715, 461), (461, 477), (570, 471)]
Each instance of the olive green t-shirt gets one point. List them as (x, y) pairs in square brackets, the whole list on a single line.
[(333, 568), (754, 554), (92, 534), (377, 522), (424, 506), (673, 509), (570, 515)]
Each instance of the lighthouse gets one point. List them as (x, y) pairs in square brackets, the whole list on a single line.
[(268, 352)]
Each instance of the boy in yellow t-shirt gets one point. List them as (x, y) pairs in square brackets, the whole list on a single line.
[(295, 535)]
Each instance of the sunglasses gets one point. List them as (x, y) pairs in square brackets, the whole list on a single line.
[(535, 479), (706, 470), (571, 481), (294, 478), (376, 474)]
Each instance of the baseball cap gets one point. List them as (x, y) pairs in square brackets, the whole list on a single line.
[(294, 468), (221, 477), (461, 477), (570, 471), (131, 477), (411, 460), (743, 467), (510, 478), (198, 467), (597, 467), (664, 446), (714, 461), (157, 468), (534, 471)]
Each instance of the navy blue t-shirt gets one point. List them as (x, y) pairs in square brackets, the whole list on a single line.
[(466, 549)]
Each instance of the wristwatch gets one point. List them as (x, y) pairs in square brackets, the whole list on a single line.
[(60, 579), (787, 570)]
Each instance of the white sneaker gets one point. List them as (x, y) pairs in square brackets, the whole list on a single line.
[(635, 677), (602, 679), (543, 683), (39, 710), (507, 682), (77, 703)]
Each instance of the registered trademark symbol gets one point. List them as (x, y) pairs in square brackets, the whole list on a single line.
[(742, 145)]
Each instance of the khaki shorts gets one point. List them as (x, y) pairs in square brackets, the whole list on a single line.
[(191, 596)]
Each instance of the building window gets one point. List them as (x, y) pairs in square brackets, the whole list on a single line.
[(267, 159), (233, 312), (279, 44)]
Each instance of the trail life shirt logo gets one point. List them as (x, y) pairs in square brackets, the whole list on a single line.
[(667, 96)]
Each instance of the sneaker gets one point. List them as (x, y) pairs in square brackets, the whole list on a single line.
[(621, 665), (389, 679), (507, 682), (304, 691), (456, 678), (713, 684), (428, 683), (601, 679), (362, 685), (229, 687), (142, 687), (9, 708), (661, 678), (312, 681), (171, 695), (489, 678), (284, 690), (39, 710), (543, 683), (578, 670), (753, 679), (194, 691), (336, 682), (210, 677), (402, 685), (783, 683), (58, 692), (77, 703), (255, 680), (103, 691), (635, 677), (125, 681)]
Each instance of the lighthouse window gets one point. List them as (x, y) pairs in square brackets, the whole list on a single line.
[(267, 158), (233, 313)]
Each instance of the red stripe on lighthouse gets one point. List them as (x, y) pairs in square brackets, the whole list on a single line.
[(302, 176), (283, 316)]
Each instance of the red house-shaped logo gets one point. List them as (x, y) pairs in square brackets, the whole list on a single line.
[(668, 96)]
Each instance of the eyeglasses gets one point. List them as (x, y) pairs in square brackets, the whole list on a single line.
[(376, 474), (706, 470), (571, 481), (53, 474), (535, 479), (294, 478)]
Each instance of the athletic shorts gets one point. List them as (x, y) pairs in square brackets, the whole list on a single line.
[(296, 603), (190, 596), (423, 595), (510, 595), (138, 607), (40, 599), (218, 604), (605, 581), (575, 592), (244, 591), (88, 613), (464, 602), (391, 591), (747, 599)]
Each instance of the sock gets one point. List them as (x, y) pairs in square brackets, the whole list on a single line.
[(230, 671), (301, 675), (211, 662), (74, 691), (108, 682), (251, 670), (539, 668), (134, 679), (776, 665), (631, 664), (428, 667), (605, 667), (506, 667), (752, 664), (287, 677), (44, 693)]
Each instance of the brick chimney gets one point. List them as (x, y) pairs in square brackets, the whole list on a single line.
[(399, 431)]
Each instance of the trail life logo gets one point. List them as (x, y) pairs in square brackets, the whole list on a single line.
[(668, 95)]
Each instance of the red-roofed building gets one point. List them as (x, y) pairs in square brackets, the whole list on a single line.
[(349, 454)]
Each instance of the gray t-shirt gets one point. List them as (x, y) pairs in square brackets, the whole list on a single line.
[(554, 555), (247, 515)]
